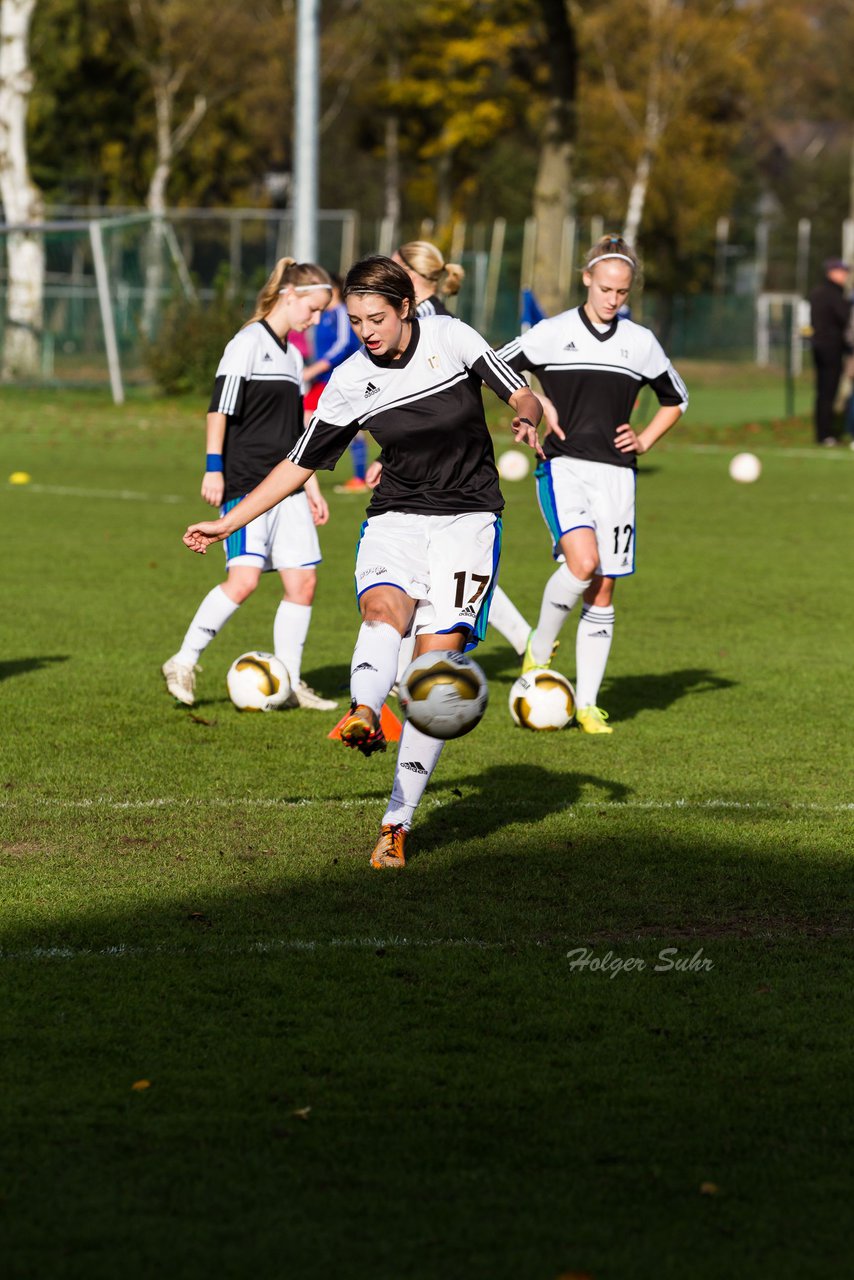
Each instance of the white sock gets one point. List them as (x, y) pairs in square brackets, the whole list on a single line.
[(290, 628), (592, 647), (417, 757), (407, 648), (374, 664), (211, 616), (508, 621), (562, 593)]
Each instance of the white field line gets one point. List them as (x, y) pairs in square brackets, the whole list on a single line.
[(268, 946), (792, 451), (131, 495), (434, 802), (121, 495)]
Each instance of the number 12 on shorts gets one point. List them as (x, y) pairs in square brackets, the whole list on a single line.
[(626, 532)]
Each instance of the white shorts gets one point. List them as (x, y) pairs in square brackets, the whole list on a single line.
[(284, 537), (576, 494), (447, 564)]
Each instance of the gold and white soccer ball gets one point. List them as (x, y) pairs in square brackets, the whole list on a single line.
[(542, 699), (513, 464), (258, 682), (444, 694)]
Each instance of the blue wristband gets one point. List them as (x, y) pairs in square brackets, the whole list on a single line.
[(214, 462)]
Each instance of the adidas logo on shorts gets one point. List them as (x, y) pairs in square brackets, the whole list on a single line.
[(363, 666), (414, 766), (371, 390)]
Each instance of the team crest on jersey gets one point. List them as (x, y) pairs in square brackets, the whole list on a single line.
[(371, 390)]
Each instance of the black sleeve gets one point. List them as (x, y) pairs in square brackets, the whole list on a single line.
[(322, 444)]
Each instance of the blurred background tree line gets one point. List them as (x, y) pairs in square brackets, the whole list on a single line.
[(659, 116)]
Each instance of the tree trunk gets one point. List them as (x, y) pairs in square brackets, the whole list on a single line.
[(653, 127), (553, 201), (22, 201)]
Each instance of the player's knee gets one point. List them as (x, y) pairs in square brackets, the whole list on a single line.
[(237, 592), (584, 565)]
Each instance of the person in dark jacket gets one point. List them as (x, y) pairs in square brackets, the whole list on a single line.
[(830, 310)]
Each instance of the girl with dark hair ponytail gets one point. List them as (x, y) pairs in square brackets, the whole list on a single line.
[(427, 559)]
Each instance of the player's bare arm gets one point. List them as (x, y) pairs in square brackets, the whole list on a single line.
[(550, 418), (316, 501), (281, 482), (627, 440), (213, 481), (528, 412)]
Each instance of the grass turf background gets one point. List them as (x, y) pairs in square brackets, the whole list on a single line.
[(186, 900)]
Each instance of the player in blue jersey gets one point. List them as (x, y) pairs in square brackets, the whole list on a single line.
[(428, 552), (591, 365), (255, 417)]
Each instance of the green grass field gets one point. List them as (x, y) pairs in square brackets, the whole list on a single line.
[(387, 1076)]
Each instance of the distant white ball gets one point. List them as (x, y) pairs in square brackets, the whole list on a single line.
[(513, 465), (444, 694), (258, 682), (745, 468), (542, 699)]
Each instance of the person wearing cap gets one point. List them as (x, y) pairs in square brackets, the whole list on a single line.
[(830, 311)]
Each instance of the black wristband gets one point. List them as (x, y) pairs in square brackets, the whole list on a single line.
[(529, 422)]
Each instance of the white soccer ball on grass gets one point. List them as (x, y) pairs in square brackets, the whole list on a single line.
[(745, 468), (513, 464)]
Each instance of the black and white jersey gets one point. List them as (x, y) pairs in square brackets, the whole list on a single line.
[(259, 389), (593, 378), (425, 411), (432, 306)]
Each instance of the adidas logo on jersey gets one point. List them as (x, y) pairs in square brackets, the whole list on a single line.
[(468, 612), (267, 357), (414, 766), (371, 390), (363, 666), (570, 346)]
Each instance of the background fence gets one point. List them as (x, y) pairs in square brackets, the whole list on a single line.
[(207, 255)]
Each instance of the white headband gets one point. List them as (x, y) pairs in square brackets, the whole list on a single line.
[(305, 288), (603, 256)]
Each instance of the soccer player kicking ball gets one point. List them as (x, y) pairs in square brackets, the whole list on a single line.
[(428, 553), (592, 364)]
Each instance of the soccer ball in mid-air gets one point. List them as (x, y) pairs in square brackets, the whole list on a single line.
[(513, 464), (745, 468), (258, 682), (444, 694), (542, 699)]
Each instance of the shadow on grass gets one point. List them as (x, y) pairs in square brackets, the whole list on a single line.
[(632, 694), (22, 666)]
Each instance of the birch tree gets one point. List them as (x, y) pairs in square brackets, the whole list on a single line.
[(21, 199)]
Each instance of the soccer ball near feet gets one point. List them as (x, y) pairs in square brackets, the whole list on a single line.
[(444, 694), (258, 682), (542, 699)]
